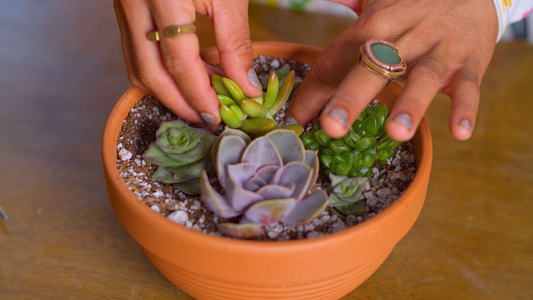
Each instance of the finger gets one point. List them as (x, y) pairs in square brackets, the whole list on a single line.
[(465, 96), (232, 35), (328, 71), (421, 87), (143, 60), (353, 95), (181, 56)]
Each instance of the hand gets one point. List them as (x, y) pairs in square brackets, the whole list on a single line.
[(172, 69), (446, 44)]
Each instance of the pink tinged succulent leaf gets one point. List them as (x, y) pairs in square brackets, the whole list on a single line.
[(295, 172), (270, 211), (276, 191), (288, 144), (214, 201), (267, 173), (227, 132), (239, 197), (243, 231), (166, 126), (229, 152), (254, 183), (336, 179), (261, 152), (307, 209), (311, 159)]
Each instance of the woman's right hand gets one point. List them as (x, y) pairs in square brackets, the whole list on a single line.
[(171, 69)]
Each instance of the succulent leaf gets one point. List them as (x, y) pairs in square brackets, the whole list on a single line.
[(262, 152), (238, 112), (228, 131), (311, 159), (270, 211), (166, 126), (230, 150), (218, 85), (267, 173), (297, 128), (239, 197), (283, 94), (258, 126), (308, 208), (229, 117), (189, 187), (272, 90), (295, 172), (214, 201), (273, 191), (234, 90), (243, 231), (225, 100), (288, 145), (253, 108)]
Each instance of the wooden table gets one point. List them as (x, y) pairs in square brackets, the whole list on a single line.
[(61, 72)]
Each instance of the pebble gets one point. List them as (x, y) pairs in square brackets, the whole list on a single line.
[(125, 154), (180, 217)]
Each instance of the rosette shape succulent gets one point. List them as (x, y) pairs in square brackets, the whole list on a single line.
[(265, 181), (346, 194), (181, 153)]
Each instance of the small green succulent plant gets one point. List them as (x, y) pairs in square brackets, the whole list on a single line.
[(355, 154), (181, 153), (265, 181), (254, 115), (346, 195)]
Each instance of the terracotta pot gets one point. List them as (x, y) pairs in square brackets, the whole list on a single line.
[(212, 267)]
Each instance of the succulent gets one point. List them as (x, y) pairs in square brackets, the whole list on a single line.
[(265, 181), (346, 194), (254, 115), (355, 154), (180, 152)]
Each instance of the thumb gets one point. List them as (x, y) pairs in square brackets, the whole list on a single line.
[(232, 35)]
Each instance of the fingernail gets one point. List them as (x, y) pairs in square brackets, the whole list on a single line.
[(466, 124), (208, 119), (404, 119), (290, 120), (254, 80), (340, 115)]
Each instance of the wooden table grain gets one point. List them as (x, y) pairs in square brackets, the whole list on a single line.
[(61, 70)]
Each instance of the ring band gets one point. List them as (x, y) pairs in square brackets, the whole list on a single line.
[(172, 31), (382, 57)]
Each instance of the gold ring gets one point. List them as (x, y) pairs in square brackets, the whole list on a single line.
[(172, 31), (383, 58)]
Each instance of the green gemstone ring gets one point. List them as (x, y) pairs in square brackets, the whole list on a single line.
[(382, 57)]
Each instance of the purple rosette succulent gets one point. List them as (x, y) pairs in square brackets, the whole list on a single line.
[(181, 153), (265, 181)]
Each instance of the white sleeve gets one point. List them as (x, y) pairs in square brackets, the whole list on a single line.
[(510, 11)]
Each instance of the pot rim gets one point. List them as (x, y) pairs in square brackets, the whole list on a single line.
[(109, 156)]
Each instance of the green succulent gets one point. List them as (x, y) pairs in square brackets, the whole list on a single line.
[(346, 194), (355, 154), (180, 152), (254, 115)]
